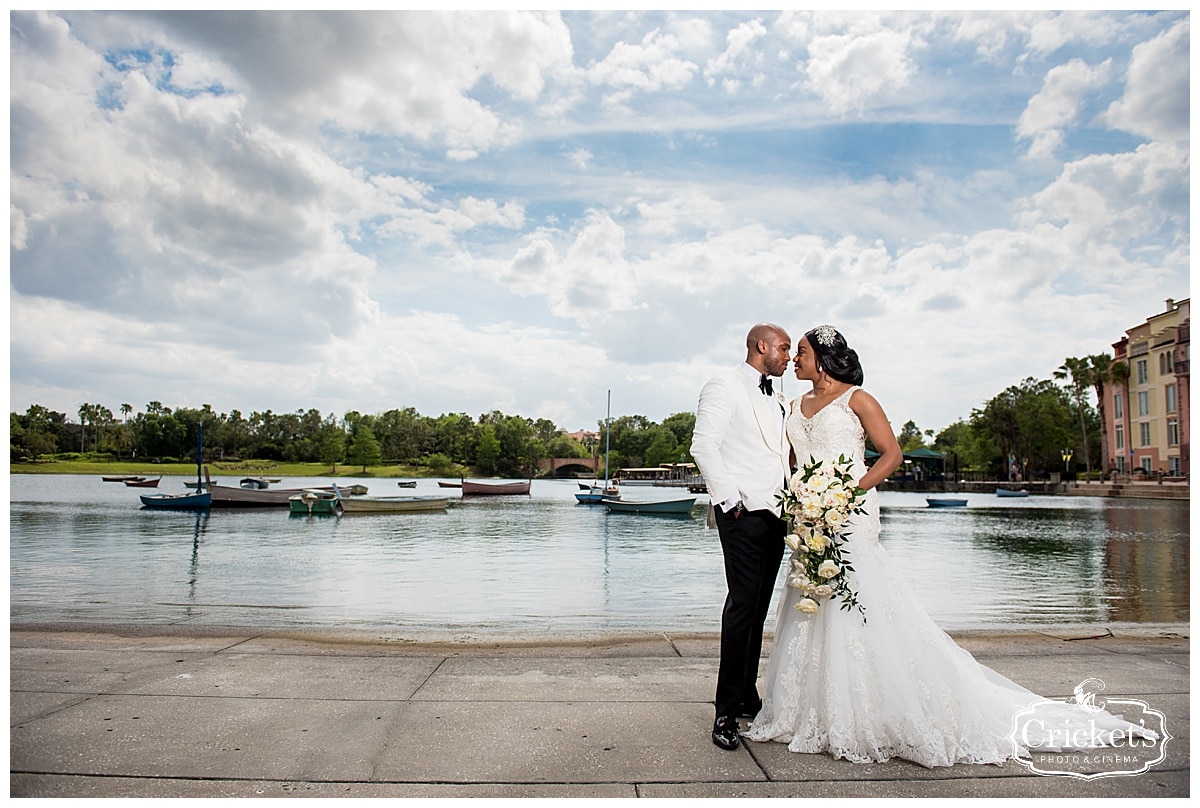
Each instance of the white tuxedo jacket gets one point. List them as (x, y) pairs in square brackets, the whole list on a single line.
[(739, 442)]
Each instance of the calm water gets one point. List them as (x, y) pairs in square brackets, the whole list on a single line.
[(82, 550)]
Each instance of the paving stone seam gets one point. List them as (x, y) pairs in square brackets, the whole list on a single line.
[(934, 777)]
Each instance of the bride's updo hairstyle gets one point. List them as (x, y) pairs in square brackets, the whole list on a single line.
[(834, 356)]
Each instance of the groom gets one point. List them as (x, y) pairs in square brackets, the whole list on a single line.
[(741, 448)]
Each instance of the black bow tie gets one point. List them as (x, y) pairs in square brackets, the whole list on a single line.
[(764, 384)]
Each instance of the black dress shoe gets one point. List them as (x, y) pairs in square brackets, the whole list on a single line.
[(749, 709), (725, 732)]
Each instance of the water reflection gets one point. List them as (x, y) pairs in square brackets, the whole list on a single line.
[(81, 550), (1146, 562)]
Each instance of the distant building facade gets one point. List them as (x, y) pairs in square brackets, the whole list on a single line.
[(1148, 427), (584, 436)]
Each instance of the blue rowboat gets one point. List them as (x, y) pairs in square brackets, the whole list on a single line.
[(939, 502), (1007, 492)]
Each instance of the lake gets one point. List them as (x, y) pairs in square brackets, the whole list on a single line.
[(83, 551)]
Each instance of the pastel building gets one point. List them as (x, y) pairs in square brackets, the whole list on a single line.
[(1147, 412)]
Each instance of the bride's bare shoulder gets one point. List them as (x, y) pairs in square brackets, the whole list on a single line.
[(861, 401)]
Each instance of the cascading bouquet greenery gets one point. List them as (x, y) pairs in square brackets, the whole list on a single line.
[(817, 503)]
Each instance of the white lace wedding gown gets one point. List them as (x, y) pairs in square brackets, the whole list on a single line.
[(898, 686)]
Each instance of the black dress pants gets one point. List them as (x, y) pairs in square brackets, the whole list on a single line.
[(752, 545)]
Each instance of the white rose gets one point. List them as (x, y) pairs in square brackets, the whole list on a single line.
[(815, 541), (811, 509), (796, 483), (807, 605), (819, 482), (835, 519), (828, 569), (824, 591), (793, 542)]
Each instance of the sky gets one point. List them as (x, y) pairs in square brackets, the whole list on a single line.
[(477, 211)]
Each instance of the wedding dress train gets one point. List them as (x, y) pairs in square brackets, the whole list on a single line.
[(896, 686)]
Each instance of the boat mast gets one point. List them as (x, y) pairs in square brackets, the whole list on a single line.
[(199, 453), (607, 436)]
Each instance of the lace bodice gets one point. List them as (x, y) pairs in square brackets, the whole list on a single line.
[(834, 430)]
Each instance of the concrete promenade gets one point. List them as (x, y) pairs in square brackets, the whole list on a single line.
[(196, 712)]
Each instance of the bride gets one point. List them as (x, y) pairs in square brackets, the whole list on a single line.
[(886, 682)]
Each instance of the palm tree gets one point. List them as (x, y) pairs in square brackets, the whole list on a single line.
[(1105, 370), (85, 412), (1079, 373), (126, 409)]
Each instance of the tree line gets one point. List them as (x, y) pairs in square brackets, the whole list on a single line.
[(1031, 423), (495, 443)]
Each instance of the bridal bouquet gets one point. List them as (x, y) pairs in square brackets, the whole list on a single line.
[(818, 502)]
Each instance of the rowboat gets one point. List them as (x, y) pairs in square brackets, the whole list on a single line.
[(1007, 492), (121, 478), (660, 506), (200, 501), (470, 488), (596, 496), (360, 505), (234, 496), (196, 485), (407, 483), (253, 482), (143, 483), (939, 502), (442, 484), (313, 502)]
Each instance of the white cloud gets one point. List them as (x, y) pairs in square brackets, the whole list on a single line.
[(738, 40), (651, 65), (1057, 104), (1157, 88), (851, 72)]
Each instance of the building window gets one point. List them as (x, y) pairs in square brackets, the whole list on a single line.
[(1172, 431), (1146, 464), (1120, 464), (1164, 364), (1143, 372), (1120, 437), (1118, 406), (1144, 428), (1174, 468), (1143, 404), (1172, 399)]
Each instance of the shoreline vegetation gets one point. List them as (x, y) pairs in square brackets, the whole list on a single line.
[(247, 468)]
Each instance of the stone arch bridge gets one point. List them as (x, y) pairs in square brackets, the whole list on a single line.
[(568, 466)]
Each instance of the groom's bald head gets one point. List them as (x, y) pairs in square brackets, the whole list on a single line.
[(768, 349)]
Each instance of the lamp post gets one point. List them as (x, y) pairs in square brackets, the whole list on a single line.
[(1066, 457)]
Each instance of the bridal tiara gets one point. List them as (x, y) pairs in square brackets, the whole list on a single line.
[(825, 334)]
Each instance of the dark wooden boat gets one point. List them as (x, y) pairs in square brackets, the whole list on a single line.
[(407, 483), (442, 484), (143, 483), (471, 488)]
